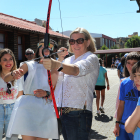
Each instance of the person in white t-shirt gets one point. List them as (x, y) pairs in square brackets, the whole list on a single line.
[(75, 84), (8, 91)]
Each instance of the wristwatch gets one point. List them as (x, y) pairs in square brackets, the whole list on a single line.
[(48, 94), (61, 67)]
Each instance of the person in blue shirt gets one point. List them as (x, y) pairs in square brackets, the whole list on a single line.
[(100, 87), (128, 98), (132, 124), (116, 61), (120, 68), (113, 62)]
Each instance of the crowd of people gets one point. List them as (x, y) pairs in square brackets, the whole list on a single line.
[(32, 114), (26, 94)]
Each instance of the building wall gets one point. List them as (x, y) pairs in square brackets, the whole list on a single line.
[(29, 40), (104, 40), (10, 40), (120, 41), (15, 45), (98, 43)]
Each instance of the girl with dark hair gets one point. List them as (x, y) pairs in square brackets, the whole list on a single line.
[(8, 91), (100, 87)]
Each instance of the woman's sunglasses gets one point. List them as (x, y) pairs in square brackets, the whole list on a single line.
[(79, 41), (8, 88)]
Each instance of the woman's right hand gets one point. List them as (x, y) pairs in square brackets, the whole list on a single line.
[(62, 54)]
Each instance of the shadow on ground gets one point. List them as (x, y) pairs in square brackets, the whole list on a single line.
[(103, 118), (94, 135)]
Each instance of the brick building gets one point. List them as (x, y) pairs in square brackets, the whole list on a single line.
[(18, 34), (120, 41), (102, 39)]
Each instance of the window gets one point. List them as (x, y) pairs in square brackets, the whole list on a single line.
[(106, 42), (19, 48), (103, 42), (60, 42), (111, 43), (1, 40)]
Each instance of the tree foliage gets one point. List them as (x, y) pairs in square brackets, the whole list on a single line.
[(133, 42), (114, 47), (104, 47)]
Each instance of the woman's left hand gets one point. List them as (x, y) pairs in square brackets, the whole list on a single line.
[(62, 54), (40, 93)]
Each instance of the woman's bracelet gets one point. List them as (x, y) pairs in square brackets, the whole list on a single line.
[(107, 85), (12, 73), (61, 67)]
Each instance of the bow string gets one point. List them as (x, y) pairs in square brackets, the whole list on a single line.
[(46, 44)]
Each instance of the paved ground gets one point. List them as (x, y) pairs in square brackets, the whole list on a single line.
[(103, 125)]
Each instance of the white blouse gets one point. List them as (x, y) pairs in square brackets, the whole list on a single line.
[(75, 91)]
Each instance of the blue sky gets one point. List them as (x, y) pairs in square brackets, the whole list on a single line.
[(114, 18)]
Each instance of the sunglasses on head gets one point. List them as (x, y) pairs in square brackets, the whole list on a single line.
[(29, 53), (8, 88), (79, 41)]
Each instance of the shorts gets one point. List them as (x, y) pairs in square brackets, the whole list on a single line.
[(100, 87)]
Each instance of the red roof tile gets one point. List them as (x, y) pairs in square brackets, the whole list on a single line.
[(25, 25)]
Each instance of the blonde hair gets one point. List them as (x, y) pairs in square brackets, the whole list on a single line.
[(8, 51), (92, 46)]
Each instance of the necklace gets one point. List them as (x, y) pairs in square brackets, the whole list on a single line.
[(2, 75)]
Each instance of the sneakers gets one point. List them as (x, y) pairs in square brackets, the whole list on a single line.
[(94, 95), (98, 112), (102, 110)]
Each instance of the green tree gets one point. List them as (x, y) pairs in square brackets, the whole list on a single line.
[(133, 42), (114, 47), (104, 47)]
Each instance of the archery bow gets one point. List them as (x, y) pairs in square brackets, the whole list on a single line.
[(46, 44)]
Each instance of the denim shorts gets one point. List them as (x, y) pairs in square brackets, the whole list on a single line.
[(5, 114), (76, 125)]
